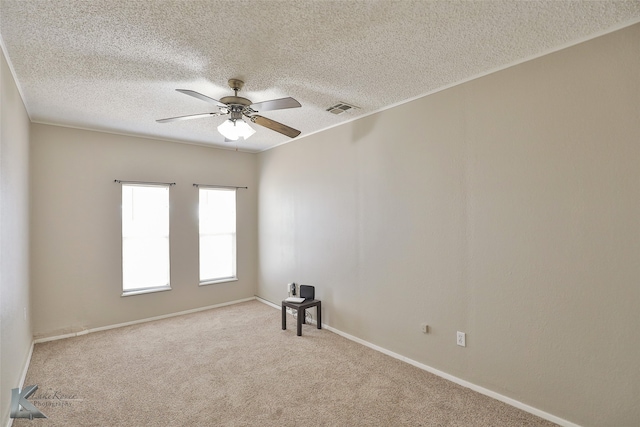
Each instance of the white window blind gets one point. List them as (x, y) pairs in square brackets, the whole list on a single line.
[(217, 224), (145, 238)]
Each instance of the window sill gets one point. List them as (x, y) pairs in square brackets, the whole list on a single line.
[(145, 291), (214, 282)]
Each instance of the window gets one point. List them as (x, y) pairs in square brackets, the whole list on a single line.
[(217, 235), (145, 238)]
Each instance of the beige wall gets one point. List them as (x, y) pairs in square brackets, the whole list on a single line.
[(15, 328), (507, 207), (76, 244)]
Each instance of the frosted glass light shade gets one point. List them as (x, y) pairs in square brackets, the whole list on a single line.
[(233, 130)]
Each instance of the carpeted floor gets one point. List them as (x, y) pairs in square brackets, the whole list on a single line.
[(235, 366)]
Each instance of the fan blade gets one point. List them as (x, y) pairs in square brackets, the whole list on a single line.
[(273, 125), (201, 97), (275, 104), (192, 116)]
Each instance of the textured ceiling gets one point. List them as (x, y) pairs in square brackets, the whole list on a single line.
[(114, 65)]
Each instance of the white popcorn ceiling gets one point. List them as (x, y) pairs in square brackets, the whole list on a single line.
[(114, 65)]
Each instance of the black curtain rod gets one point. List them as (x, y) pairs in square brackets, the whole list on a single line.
[(143, 182), (218, 186)]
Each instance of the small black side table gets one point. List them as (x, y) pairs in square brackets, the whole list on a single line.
[(301, 307)]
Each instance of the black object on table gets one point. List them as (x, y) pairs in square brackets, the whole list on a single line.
[(301, 307)]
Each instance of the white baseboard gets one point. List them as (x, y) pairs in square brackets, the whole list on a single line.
[(23, 376), (264, 301), (509, 401), (135, 322), (25, 368)]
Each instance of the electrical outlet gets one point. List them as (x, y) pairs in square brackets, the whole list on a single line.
[(461, 339), (425, 328)]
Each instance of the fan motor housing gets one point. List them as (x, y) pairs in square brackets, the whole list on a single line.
[(235, 100)]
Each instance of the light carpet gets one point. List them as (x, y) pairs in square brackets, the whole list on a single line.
[(235, 366)]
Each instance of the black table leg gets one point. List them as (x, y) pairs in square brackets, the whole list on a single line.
[(300, 319), (319, 315), (284, 317)]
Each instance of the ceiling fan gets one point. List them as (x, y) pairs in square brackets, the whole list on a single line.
[(235, 127)]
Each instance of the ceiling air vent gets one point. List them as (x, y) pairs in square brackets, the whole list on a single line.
[(340, 108)]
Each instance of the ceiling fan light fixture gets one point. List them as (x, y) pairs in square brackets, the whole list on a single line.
[(233, 129)]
